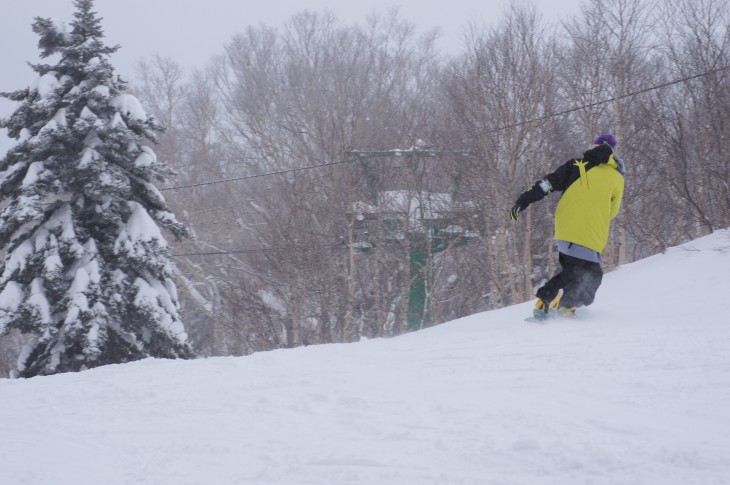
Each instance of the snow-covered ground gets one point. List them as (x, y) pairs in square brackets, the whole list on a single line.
[(635, 392)]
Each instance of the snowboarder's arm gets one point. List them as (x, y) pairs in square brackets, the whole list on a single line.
[(558, 180)]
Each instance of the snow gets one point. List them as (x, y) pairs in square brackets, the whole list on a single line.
[(51, 126), (47, 84), (88, 157), (97, 331), (35, 170), (17, 260), (155, 297), (117, 121), (38, 302), (11, 170), (102, 90), (78, 303), (92, 139), (63, 218), (52, 263), (87, 113), (62, 28), (38, 241), (146, 159), (25, 352), (129, 106), (633, 392), (60, 117), (139, 227), (25, 135), (11, 297)]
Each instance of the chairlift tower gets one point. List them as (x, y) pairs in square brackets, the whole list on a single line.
[(421, 249)]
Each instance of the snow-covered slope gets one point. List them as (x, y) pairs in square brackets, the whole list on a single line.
[(636, 392)]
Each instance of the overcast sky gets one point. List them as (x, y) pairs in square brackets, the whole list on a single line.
[(191, 31)]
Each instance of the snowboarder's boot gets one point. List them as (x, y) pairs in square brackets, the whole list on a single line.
[(566, 312), (553, 306), (544, 310), (555, 309), (541, 312)]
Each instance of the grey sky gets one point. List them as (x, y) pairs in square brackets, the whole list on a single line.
[(190, 32)]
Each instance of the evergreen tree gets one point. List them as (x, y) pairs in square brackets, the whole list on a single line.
[(86, 270)]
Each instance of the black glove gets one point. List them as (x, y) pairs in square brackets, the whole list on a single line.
[(520, 205), (537, 192)]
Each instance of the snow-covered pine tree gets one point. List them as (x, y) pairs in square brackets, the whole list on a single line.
[(86, 271)]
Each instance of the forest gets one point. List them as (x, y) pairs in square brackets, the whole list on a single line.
[(342, 182)]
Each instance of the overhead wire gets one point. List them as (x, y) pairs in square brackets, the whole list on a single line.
[(606, 101), (261, 250), (257, 175), (340, 162), (493, 130)]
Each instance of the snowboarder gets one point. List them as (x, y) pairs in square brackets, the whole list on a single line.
[(592, 188)]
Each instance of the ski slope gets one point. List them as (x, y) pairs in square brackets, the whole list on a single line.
[(635, 392)]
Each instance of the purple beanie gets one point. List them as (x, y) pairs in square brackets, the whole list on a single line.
[(606, 138)]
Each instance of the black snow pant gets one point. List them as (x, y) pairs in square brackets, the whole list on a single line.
[(579, 280)]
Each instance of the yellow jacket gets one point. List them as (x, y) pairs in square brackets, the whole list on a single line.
[(592, 191), (588, 205)]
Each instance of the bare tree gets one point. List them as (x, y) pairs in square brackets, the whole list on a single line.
[(188, 109), (306, 97), (608, 54), (693, 136), (498, 90), (313, 245)]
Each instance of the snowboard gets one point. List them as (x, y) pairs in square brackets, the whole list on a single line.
[(553, 317)]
